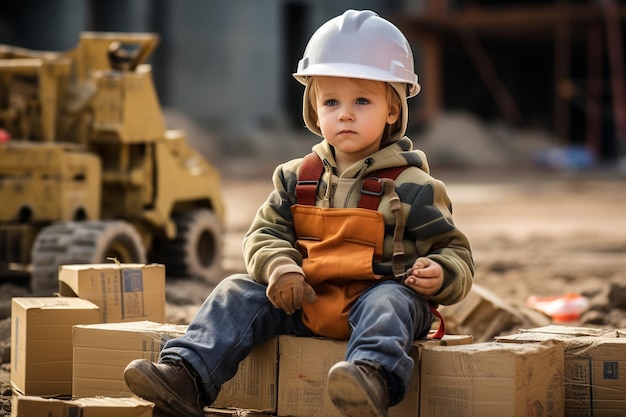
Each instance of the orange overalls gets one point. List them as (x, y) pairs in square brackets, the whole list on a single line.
[(338, 247)]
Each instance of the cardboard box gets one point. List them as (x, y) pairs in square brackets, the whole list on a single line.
[(594, 368), (484, 315), (124, 292), (254, 385), (303, 368), (102, 351), (29, 406), (492, 380), (41, 342)]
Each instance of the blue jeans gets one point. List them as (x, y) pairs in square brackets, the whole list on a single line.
[(237, 315)]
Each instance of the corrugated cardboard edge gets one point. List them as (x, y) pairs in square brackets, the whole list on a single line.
[(235, 412), (128, 402)]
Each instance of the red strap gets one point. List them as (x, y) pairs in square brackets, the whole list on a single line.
[(441, 331), (308, 179), (373, 188), (371, 191)]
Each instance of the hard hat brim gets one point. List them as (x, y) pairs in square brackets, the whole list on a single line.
[(360, 72)]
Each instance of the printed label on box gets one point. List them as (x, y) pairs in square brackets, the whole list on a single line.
[(132, 284), (611, 370)]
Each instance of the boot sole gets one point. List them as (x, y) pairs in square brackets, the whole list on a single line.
[(345, 387), (145, 382)]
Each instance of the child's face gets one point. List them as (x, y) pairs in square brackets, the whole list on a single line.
[(353, 113)]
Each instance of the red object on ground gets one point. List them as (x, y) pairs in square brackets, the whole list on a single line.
[(562, 308), (5, 136)]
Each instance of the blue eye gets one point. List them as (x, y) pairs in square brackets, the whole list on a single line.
[(362, 101), (331, 102)]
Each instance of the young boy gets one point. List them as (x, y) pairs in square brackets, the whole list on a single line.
[(356, 241)]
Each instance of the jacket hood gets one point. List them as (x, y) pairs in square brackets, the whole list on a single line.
[(398, 153)]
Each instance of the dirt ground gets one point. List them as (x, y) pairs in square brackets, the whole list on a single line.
[(542, 234)]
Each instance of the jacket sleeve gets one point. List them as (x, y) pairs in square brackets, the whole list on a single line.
[(430, 226), (268, 246)]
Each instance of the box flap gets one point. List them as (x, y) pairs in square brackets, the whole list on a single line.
[(29, 406)]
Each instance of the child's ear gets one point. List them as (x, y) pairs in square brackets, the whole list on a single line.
[(394, 114)]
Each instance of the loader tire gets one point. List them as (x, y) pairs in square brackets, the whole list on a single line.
[(196, 252), (83, 242)]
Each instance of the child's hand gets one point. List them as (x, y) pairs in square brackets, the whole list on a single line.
[(288, 291), (425, 277)]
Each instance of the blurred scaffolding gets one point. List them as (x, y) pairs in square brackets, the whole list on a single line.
[(556, 64)]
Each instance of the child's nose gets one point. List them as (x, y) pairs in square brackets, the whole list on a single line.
[(346, 114)]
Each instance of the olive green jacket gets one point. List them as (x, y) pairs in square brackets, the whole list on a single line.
[(430, 231)]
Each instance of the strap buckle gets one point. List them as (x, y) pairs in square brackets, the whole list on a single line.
[(375, 186)]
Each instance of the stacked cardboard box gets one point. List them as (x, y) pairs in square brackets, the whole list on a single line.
[(254, 386), (124, 292), (42, 360), (261, 385), (303, 366), (594, 364), (41, 342), (102, 351), (492, 380), (451, 377)]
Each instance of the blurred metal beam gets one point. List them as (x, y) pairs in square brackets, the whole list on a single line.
[(503, 98), (616, 63), (562, 34), (595, 84)]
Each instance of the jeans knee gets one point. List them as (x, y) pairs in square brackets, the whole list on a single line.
[(389, 295), (392, 301), (238, 286)]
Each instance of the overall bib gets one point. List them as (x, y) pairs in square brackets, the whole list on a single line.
[(339, 245)]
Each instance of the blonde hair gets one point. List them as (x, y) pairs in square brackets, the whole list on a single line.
[(393, 101)]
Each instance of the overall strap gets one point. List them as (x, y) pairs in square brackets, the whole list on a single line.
[(379, 183), (372, 189), (308, 179)]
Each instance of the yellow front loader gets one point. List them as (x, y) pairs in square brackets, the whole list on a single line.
[(88, 169)]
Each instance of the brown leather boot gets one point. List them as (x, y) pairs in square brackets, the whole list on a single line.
[(358, 389), (170, 386)]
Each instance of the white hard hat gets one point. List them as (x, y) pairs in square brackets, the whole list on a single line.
[(359, 44)]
